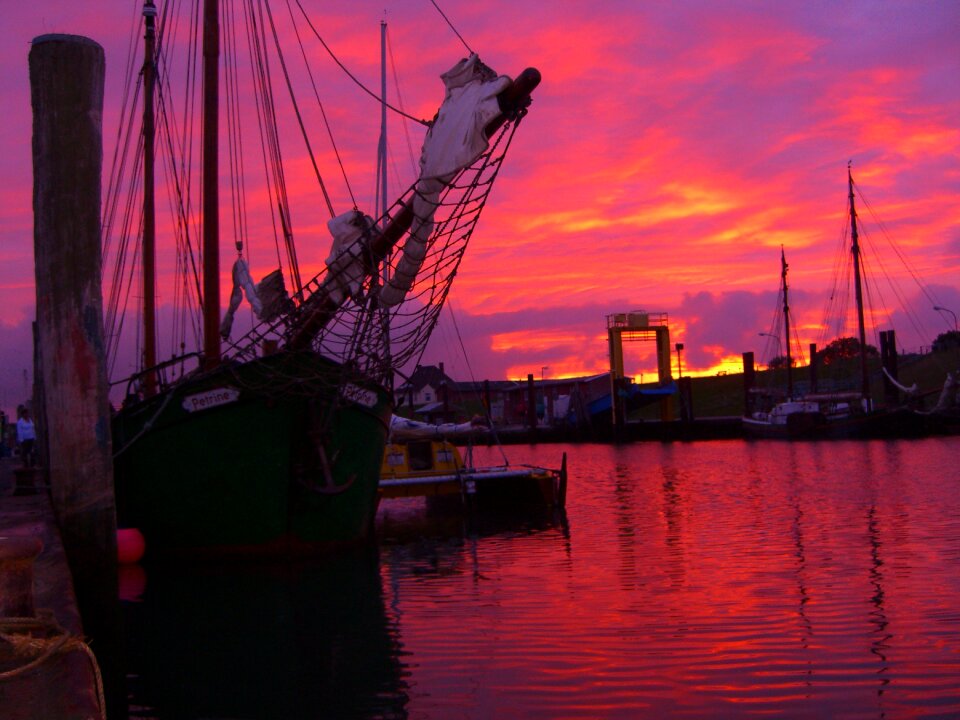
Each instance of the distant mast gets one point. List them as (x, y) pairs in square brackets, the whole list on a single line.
[(382, 187), (858, 289), (211, 199), (149, 248), (786, 322)]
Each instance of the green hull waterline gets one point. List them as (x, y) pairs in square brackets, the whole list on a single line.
[(279, 453)]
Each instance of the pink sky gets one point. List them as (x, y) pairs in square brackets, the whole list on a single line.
[(670, 151)]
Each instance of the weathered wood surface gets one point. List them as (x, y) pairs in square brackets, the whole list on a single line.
[(66, 84), (66, 79)]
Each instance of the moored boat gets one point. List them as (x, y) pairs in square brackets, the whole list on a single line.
[(849, 412), (274, 442), (421, 459)]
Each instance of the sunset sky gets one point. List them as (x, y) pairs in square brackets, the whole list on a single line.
[(671, 150)]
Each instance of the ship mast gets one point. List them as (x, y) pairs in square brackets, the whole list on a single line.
[(149, 248), (211, 200), (858, 289), (382, 178), (786, 322)]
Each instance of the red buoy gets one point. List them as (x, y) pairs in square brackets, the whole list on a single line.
[(130, 546)]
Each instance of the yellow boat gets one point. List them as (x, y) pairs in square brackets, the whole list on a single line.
[(420, 460)]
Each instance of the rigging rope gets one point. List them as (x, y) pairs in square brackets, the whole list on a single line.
[(434, 3), (359, 84), (406, 130), (50, 640), (270, 139), (296, 109), (323, 112), (473, 382)]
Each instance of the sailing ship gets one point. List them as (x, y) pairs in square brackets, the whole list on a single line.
[(273, 442), (849, 412), (789, 416)]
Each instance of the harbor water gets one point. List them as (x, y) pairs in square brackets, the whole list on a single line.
[(699, 580)]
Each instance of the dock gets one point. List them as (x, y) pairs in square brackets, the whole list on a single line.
[(46, 669), (515, 485)]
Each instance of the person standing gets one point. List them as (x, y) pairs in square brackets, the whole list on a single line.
[(26, 436)]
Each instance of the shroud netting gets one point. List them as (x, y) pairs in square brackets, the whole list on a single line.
[(367, 338)]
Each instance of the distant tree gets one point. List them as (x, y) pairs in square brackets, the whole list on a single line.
[(844, 349), (946, 340), (780, 362)]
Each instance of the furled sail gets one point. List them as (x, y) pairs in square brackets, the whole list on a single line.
[(241, 284), (456, 138)]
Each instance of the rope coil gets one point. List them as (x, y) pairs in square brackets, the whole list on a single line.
[(37, 640)]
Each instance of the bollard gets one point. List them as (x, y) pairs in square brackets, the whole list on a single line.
[(25, 481), (16, 575)]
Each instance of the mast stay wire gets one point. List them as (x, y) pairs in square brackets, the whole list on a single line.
[(425, 123), (473, 379), (270, 140), (323, 112), (396, 86), (296, 107), (469, 50)]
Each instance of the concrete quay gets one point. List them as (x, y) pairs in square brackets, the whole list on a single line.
[(46, 670)]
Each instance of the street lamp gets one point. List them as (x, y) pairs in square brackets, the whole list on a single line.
[(542, 370), (775, 337), (679, 347), (938, 308)]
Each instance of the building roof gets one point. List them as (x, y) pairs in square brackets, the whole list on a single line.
[(426, 375)]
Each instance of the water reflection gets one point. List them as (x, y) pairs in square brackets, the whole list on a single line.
[(702, 580), (264, 641)]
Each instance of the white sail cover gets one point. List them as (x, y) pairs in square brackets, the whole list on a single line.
[(345, 265), (455, 140), (949, 397), (241, 284), (406, 429), (457, 136), (912, 390)]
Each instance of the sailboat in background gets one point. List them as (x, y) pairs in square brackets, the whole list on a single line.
[(273, 443), (850, 411), (782, 415)]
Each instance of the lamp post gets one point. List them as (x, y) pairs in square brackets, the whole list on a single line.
[(679, 347), (938, 308)]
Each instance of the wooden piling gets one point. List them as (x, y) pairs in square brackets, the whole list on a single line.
[(531, 404), (814, 382), (66, 81), (749, 379)]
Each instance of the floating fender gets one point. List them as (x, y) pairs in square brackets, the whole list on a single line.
[(130, 546)]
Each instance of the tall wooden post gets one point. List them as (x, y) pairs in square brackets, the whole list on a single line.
[(66, 82), (814, 373), (531, 404), (749, 378), (888, 359)]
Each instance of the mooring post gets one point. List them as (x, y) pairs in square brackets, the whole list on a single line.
[(814, 384), (66, 82), (749, 378), (531, 405)]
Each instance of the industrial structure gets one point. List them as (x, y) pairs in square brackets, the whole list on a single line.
[(639, 326)]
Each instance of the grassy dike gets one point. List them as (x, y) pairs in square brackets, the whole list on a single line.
[(723, 395)]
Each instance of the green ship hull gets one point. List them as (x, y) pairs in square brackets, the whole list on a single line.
[(279, 454)]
